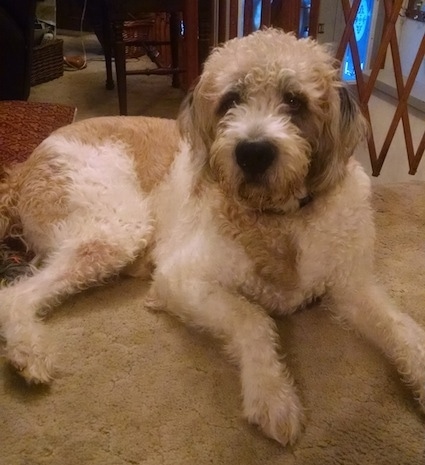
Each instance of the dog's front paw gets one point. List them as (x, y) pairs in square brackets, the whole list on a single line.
[(34, 364), (278, 412)]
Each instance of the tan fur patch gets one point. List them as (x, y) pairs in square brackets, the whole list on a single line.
[(152, 155), (266, 241)]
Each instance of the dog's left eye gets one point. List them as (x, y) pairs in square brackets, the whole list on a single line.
[(227, 102), (293, 101)]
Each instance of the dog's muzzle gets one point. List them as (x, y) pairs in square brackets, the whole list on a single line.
[(255, 157)]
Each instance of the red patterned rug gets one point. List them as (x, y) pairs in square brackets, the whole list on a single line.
[(23, 125)]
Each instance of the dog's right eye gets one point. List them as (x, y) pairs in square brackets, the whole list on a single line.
[(294, 102), (227, 102)]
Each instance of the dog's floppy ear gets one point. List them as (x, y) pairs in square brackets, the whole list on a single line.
[(353, 126), (343, 129), (190, 120)]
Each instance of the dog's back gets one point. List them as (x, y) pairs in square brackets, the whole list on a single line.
[(151, 143)]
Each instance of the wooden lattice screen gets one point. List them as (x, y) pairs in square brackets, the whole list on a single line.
[(286, 14), (366, 86)]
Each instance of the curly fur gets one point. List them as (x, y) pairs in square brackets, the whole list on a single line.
[(228, 248)]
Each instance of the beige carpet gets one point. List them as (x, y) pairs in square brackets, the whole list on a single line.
[(85, 89), (140, 388)]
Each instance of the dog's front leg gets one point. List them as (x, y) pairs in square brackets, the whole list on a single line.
[(269, 397), (371, 312)]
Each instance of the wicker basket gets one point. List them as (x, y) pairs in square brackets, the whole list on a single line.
[(138, 29), (152, 26), (47, 61)]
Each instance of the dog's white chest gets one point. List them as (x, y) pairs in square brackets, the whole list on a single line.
[(294, 258)]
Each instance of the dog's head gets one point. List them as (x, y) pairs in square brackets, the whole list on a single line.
[(272, 120)]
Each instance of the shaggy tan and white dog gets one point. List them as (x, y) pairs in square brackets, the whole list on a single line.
[(257, 210)]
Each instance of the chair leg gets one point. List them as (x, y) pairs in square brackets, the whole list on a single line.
[(175, 42), (109, 79), (191, 21), (120, 69), (107, 50)]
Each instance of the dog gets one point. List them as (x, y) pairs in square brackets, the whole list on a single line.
[(249, 207)]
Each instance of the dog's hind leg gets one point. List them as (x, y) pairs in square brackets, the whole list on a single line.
[(269, 396), (370, 311), (83, 211), (76, 264)]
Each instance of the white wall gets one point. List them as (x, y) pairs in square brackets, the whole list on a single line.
[(331, 17), (411, 34)]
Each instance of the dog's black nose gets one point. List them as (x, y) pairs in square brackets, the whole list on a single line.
[(255, 157)]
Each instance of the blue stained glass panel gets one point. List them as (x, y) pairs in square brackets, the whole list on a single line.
[(362, 25)]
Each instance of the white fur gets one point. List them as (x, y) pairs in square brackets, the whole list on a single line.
[(228, 253)]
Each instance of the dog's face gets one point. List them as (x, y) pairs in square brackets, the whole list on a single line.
[(273, 120)]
